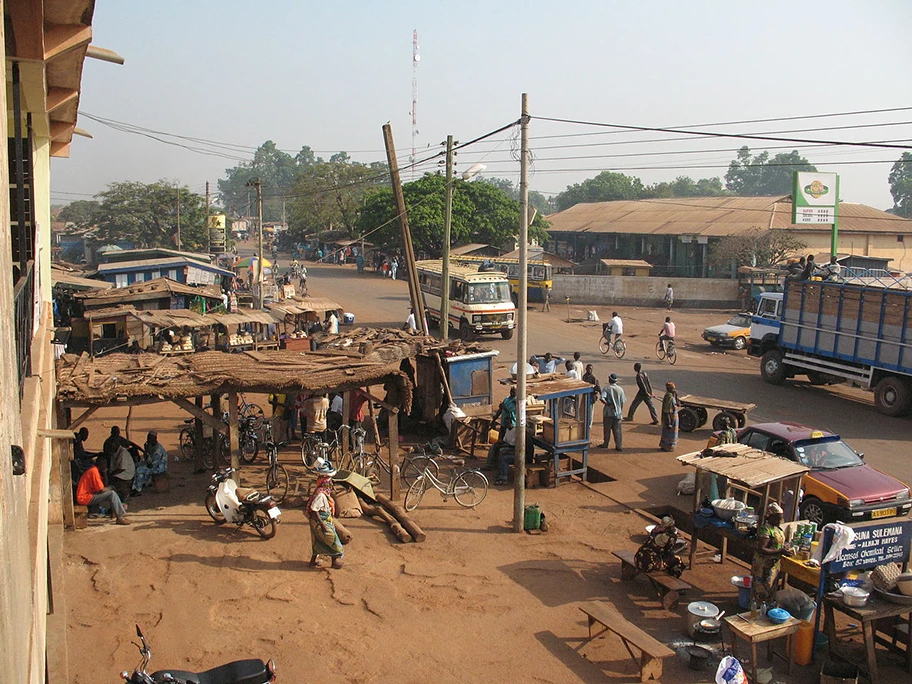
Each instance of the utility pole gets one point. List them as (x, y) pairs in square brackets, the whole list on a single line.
[(178, 218), (208, 228), (519, 483), (256, 183), (407, 248), (447, 223)]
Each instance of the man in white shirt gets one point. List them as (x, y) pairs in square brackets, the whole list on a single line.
[(617, 327), (668, 331), (578, 366), (410, 324), (332, 323)]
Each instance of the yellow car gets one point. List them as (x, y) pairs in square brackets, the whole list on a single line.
[(734, 334)]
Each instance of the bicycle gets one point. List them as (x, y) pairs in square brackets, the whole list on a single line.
[(414, 463), (313, 446), (276, 475), (665, 349), (251, 411), (468, 487), (619, 347), (189, 447)]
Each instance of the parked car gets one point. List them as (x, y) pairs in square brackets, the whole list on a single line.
[(734, 334), (840, 486)]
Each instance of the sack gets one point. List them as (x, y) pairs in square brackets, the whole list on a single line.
[(730, 672), (687, 485), (348, 505)]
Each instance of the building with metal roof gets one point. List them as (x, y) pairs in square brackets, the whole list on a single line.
[(675, 234)]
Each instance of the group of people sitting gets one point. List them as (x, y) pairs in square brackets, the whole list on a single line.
[(806, 268), (105, 481)]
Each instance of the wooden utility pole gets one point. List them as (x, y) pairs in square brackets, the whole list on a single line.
[(407, 249), (257, 183), (178, 218), (208, 229), (447, 223), (519, 465)]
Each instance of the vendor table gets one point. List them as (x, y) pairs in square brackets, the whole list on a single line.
[(876, 609), (761, 629), (799, 570)]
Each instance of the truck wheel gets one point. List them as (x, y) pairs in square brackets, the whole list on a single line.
[(688, 419), (507, 334), (702, 415), (893, 396), (771, 367), (465, 332)]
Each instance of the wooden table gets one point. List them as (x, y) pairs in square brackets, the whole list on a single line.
[(800, 570), (875, 609), (759, 630)]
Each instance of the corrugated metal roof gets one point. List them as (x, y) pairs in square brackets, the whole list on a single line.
[(299, 305), (713, 217), (167, 318), (750, 467), (149, 289), (630, 263), (143, 264), (467, 249)]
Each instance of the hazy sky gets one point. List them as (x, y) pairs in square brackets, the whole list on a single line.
[(329, 75)]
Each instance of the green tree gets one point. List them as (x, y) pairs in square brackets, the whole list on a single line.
[(755, 247), (684, 186), (606, 186), (762, 176), (901, 185), (81, 213), (481, 213), (329, 195), (146, 215), (536, 199), (276, 170)]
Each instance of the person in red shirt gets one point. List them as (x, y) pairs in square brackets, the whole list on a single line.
[(91, 491)]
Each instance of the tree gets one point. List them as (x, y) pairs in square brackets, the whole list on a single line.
[(604, 187), (755, 247), (277, 171), (684, 186), (761, 176), (146, 215), (81, 213), (481, 213), (536, 199), (901, 185)]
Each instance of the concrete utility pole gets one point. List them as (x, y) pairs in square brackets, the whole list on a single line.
[(257, 183), (407, 248), (178, 218), (447, 223), (208, 228), (519, 483)]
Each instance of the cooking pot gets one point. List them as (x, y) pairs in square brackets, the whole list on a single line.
[(699, 656), (697, 611)]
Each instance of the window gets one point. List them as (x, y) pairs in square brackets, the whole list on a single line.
[(757, 440), (109, 331), (120, 280), (769, 307)]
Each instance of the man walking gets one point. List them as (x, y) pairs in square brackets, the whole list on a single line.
[(614, 398), (644, 395), (669, 297)]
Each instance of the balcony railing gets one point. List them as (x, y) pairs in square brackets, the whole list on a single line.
[(24, 299)]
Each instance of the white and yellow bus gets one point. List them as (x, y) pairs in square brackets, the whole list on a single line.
[(480, 301), (540, 274)]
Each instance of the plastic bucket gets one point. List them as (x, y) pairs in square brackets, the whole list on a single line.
[(532, 517)]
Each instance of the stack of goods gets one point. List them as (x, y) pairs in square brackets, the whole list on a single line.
[(186, 343)]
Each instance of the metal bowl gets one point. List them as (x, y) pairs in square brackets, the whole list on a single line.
[(726, 509)]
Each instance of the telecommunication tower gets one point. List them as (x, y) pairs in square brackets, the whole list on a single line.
[(416, 59)]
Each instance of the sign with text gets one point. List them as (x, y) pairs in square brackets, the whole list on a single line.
[(217, 233), (876, 543), (815, 197)]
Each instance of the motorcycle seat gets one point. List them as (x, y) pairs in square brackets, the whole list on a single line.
[(247, 494), (251, 671)]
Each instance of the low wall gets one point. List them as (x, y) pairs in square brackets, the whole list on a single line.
[(644, 291)]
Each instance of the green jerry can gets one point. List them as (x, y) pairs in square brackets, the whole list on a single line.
[(532, 517)]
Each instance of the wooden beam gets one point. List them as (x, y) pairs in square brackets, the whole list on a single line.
[(26, 19), (60, 149), (60, 38), (200, 414), (388, 407), (83, 418), (233, 440), (395, 490)]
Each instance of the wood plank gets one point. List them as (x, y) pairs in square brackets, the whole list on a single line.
[(609, 616)]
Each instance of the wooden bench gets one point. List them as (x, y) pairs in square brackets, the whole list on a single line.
[(669, 588), (80, 517), (652, 651)]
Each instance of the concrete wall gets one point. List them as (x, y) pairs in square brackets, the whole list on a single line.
[(640, 291)]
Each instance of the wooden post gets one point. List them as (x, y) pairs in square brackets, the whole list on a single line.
[(395, 492), (233, 432), (346, 411), (198, 438), (65, 478)]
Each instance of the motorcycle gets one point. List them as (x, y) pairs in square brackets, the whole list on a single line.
[(226, 502), (251, 671)]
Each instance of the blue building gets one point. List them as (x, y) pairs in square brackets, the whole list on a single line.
[(180, 268)]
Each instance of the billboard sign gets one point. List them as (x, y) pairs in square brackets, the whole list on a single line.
[(216, 227), (815, 197)]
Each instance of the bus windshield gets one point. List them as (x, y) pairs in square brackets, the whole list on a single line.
[(488, 293)]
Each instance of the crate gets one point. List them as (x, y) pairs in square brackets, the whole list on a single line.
[(567, 431), (547, 478), (533, 476), (832, 672)]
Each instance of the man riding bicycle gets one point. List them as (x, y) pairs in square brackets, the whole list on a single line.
[(613, 327), (667, 334)]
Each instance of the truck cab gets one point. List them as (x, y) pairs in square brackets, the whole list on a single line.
[(765, 323)]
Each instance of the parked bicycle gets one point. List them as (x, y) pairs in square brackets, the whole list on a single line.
[(468, 487), (251, 411), (665, 349), (276, 475), (190, 447), (619, 347), (412, 464)]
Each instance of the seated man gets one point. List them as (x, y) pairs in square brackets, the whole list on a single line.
[(154, 463), (506, 455), (547, 363), (91, 491)]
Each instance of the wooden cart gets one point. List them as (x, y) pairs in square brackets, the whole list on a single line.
[(694, 412)]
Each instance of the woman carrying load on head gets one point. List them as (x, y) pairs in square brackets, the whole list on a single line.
[(321, 508)]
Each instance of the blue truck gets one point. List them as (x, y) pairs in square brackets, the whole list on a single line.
[(858, 330)]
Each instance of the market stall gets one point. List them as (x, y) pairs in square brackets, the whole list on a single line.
[(243, 331), (301, 315), (747, 475)]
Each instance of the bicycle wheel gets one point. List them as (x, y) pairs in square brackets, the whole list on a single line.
[(413, 468), (672, 355), (620, 348), (250, 447), (604, 345), (185, 442), (207, 453), (222, 449), (660, 350), (415, 492), (470, 488), (277, 482), (310, 452), (255, 412), (263, 524), (213, 510)]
